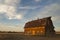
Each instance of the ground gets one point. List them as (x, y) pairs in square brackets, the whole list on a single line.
[(18, 36)]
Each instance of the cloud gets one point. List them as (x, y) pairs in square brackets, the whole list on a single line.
[(29, 7), (50, 10), (56, 18), (19, 16), (9, 9), (4, 27), (37, 0), (10, 2)]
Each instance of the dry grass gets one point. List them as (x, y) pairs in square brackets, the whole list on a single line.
[(18, 36)]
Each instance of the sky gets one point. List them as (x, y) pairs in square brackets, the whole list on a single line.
[(15, 13)]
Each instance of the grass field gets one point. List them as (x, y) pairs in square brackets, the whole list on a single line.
[(18, 36)]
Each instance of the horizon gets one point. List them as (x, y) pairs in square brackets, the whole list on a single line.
[(14, 14)]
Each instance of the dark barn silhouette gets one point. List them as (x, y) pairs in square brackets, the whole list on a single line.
[(41, 27)]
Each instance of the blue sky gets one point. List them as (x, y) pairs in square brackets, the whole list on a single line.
[(14, 14)]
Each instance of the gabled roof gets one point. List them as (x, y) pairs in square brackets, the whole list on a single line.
[(37, 23)]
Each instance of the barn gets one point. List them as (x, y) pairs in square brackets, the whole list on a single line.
[(42, 26)]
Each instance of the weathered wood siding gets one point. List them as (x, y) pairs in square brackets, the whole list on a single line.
[(35, 31)]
